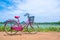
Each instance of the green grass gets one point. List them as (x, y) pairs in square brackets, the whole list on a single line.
[(1, 28), (40, 29), (47, 29)]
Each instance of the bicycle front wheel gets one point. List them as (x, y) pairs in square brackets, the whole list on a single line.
[(33, 28)]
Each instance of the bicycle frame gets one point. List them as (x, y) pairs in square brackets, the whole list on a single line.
[(27, 22)]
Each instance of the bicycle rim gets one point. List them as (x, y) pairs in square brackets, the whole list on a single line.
[(31, 29), (8, 29)]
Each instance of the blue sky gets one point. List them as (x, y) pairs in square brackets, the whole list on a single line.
[(43, 10)]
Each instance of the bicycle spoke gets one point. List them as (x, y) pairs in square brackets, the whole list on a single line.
[(8, 27)]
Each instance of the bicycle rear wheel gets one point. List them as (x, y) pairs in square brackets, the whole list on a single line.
[(8, 27)]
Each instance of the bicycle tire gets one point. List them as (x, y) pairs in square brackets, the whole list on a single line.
[(33, 29), (8, 31)]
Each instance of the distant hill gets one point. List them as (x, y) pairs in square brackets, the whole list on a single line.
[(49, 23), (1, 22)]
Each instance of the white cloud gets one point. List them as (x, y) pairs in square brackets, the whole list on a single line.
[(39, 8), (36, 6)]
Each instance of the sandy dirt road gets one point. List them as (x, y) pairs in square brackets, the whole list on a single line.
[(27, 36)]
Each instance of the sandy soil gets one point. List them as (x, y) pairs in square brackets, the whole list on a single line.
[(27, 36)]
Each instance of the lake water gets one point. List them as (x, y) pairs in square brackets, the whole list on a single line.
[(1, 24), (49, 25), (43, 25)]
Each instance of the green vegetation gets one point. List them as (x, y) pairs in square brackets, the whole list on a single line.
[(47, 29), (49, 23), (40, 29), (1, 28)]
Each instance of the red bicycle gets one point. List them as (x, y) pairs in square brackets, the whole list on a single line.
[(12, 26)]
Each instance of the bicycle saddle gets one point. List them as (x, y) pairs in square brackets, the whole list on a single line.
[(17, 17)]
